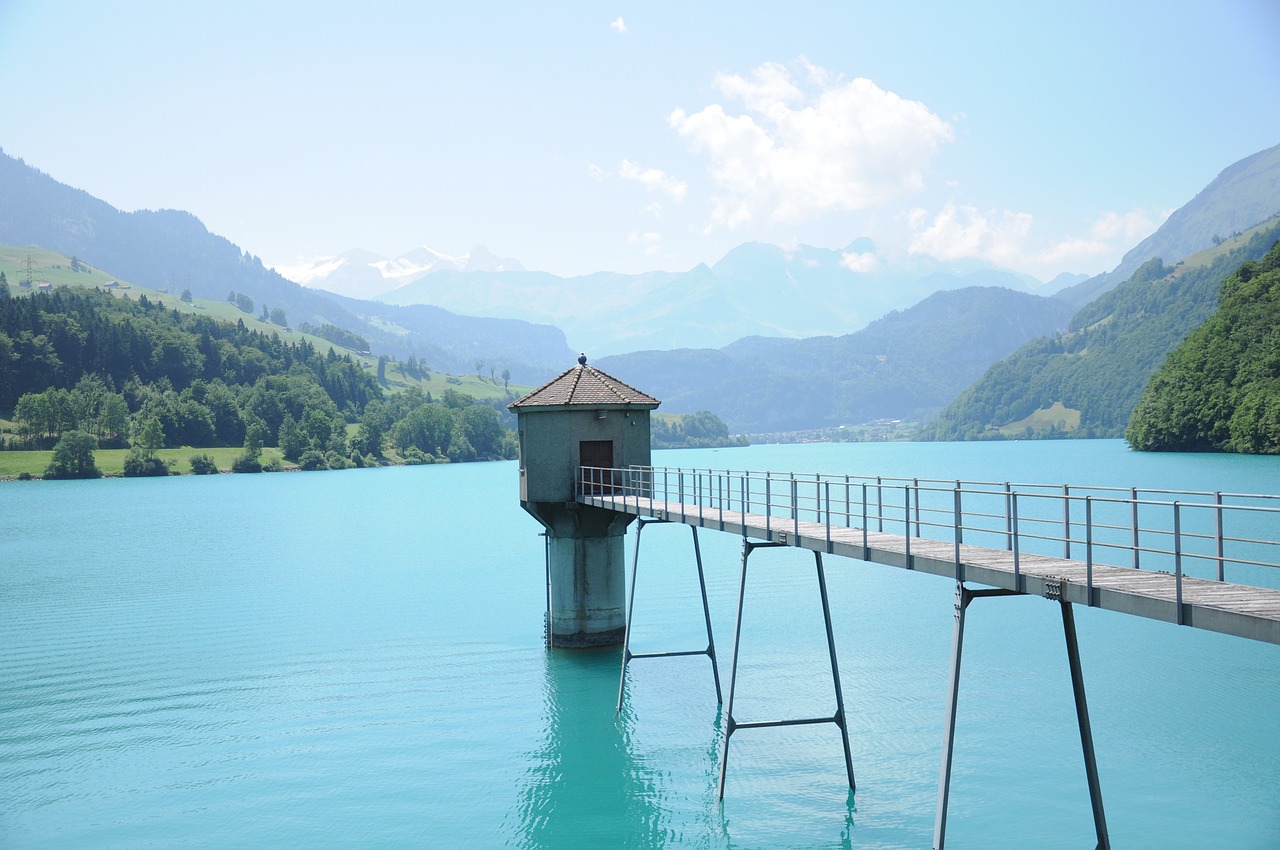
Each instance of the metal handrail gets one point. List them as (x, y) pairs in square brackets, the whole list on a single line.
[(1083, 520)]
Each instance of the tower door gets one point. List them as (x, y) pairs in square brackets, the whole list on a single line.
[(595, 458)]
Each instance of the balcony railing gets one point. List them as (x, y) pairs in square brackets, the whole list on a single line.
[(1212, 535)]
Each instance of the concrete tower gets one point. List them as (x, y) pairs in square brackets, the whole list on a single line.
[(582, 418)]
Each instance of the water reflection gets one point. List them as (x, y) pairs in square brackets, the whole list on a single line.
[(584, 786)]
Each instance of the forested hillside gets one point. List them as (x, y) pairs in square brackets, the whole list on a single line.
[(1220, 389), (1098, 369), (904, 366), (127, 372)]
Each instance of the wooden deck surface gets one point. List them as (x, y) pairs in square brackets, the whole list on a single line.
[(1235, 609)]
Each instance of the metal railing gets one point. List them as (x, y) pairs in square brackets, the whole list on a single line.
[(1205, 534)]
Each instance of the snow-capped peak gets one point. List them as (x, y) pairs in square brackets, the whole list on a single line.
[(363, 274)]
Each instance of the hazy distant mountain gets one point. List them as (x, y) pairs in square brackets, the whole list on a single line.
[(755, 289), (1061, 282), (1240, 197), (173, 249), (364, 274), (904, 366)]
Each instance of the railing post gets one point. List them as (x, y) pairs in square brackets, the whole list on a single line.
[(817, 497), (879, 503), (866, 550), (1066, 521), (680, 490), (720, 488), (698, 491), (906, 492), (795, 512), (915, 485), (906, 513), (1177, 558), (1088, 548), (768, 508), (1217, 533), (826, 485), (958, 519), (1008, 516), (848, 519), (1017, 561), (1133, 513)]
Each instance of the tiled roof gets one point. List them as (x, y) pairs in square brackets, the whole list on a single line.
[(587, 386)]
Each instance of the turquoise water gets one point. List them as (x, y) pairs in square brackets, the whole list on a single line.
[(355, 659)]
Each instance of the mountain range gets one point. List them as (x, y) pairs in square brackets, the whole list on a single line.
[(1095, 372), (171, 249), (772, 338), (754, 290), (905, 365), (364, 274)]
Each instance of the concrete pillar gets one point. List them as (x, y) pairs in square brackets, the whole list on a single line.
[(587, 567), (588, 600)]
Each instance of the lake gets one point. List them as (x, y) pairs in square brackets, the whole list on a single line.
[(356, 658)]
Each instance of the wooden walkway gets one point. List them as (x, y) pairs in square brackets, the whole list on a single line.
[(1234, 609)]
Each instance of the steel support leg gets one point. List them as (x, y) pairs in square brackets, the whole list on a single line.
[(835, 672), (948, 741), (628, 655), (1086, 731), (732, 725), (706, 616), (631, 602), (963, 597)]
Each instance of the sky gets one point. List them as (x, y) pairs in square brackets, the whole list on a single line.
[(586, 136)]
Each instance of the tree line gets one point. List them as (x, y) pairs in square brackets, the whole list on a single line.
[(117, 372), (701, 430)]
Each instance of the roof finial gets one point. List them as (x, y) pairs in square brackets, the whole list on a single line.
[(582, 359)]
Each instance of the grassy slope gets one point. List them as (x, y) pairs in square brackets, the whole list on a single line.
[(476, 386), (1055, 416), (52, 267), (111, 461)]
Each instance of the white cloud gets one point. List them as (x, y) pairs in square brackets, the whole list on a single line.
[(1004, 238), (649, 240), (619, 26), (654, 209), (811, 146), (596, 172), (1111, 234), (653, 179), (864, 263), (1133, 226), (964, 232)]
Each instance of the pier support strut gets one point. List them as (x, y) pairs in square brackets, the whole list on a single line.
[(732, 725), (963, 597), (628, 655)]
